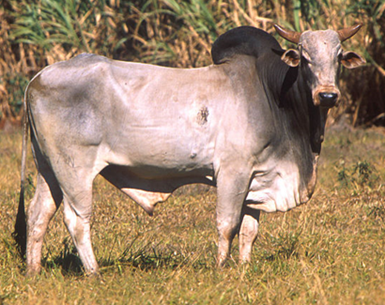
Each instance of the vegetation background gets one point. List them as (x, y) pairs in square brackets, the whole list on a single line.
[(329, 251), (35, 33)]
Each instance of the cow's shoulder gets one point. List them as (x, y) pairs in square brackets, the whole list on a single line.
[(248, 49)]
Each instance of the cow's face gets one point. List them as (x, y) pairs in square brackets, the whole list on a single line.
[(320, 56)]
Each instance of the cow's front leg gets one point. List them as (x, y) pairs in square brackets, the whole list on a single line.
[(248, 233), (232, 190)]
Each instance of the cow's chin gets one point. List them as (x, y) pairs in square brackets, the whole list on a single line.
[(326, 96)]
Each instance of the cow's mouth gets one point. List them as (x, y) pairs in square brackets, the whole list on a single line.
[(326, 97)]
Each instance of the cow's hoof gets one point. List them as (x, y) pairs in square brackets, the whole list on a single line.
[(32, 272)]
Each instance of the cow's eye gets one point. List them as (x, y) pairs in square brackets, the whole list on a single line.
[(306, 57), (307, 61), (339, 56)]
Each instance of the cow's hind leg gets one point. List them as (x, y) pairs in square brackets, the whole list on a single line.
[(248, 233), (43, 206), (76, 168), (77, 215)]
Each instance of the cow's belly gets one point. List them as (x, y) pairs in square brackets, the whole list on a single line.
[(163, 154)]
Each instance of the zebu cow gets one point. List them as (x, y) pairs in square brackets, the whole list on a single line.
[(252, 125)]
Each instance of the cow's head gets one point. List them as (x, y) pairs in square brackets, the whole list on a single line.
[(320, 55)]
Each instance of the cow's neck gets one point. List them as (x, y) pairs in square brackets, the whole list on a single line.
[(286, 89), (309, 124), (316, 116)]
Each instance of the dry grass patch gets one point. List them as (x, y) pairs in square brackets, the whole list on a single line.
[(329, 251)]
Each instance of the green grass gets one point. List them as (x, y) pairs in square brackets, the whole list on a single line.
[(329, 251)]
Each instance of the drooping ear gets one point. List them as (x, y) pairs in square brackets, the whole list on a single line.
[(291, 57), (352, 60)]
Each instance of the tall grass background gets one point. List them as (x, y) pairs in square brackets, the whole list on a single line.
[(36, 33)]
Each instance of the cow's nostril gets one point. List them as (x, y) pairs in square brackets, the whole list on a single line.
[(328, 95), (328, 99)]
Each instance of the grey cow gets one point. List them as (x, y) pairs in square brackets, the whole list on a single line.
[(251, 124)]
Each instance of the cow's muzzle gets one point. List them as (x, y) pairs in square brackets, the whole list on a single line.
[(326, 98)]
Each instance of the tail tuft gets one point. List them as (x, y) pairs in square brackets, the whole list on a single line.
[(20, 233)]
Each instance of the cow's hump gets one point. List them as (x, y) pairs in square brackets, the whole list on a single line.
[(244, 40)]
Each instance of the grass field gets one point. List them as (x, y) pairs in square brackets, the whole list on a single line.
[(329, 251)]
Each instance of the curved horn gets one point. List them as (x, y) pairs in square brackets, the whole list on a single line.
[(287, 34), (346, 33)]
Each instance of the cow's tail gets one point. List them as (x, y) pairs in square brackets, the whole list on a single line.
[(20, 233)]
